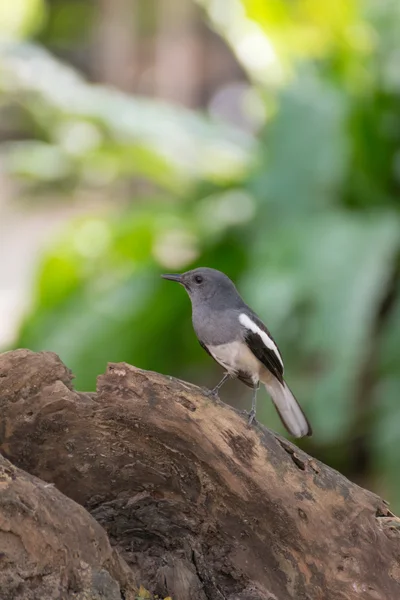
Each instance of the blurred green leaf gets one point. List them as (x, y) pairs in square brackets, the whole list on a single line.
[(307, 148), (191, 145)]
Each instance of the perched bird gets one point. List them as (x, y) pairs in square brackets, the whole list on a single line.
[(239, 341)]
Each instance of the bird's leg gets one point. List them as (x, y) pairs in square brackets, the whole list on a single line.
[(252, 414), (214, 391)]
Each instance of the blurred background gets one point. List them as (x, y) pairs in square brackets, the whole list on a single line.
[(259, 137)]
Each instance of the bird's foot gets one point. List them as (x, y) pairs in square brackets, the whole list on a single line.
[(211, 393), (251, 416)]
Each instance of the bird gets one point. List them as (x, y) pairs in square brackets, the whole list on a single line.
[(236, 338)]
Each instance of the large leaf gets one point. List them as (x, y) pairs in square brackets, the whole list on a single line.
[(306, 154)]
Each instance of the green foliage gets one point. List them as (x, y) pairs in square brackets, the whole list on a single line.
[(99, 135), (304, 216)]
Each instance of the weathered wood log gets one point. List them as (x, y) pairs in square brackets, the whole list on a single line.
[(198, 504), (51, 548)]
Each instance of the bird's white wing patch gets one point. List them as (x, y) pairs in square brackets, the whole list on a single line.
[(246, 321)]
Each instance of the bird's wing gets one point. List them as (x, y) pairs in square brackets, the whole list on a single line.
[(261, 343)]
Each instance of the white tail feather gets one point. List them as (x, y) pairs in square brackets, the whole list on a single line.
[(288, 409)]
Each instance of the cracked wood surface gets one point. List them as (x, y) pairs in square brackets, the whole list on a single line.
[(50, 547), (200, 506)]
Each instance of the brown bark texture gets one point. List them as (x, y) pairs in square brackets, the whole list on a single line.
[(157, 484)]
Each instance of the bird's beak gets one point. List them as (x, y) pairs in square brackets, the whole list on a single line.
[(173, 277)]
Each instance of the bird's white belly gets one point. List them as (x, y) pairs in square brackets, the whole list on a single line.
[(235, 357)]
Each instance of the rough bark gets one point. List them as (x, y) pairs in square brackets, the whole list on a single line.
[(50, 547), (200, 506)]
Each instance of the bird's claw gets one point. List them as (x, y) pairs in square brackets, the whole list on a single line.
[(210, 393), (251, 416)]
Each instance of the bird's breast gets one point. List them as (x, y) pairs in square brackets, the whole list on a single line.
[(236, 357)]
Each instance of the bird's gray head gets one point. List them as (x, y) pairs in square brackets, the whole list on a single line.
[(205, 285)]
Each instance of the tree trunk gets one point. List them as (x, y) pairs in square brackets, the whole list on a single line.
[(199, 505)]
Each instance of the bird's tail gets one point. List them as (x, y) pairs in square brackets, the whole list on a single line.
[(288, 409)]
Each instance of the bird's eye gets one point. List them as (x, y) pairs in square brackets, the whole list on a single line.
[(198, 279)]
